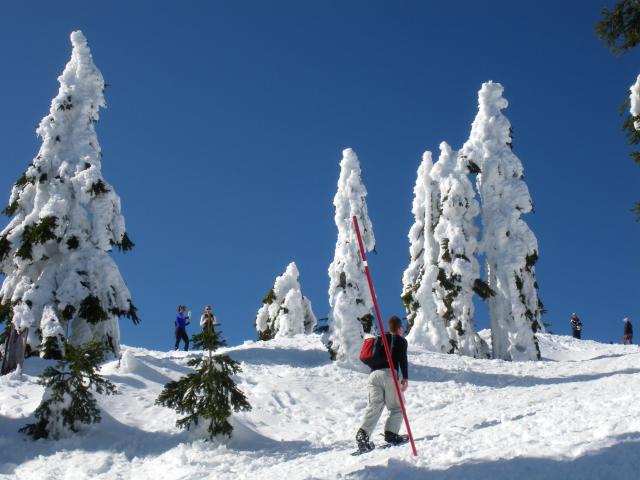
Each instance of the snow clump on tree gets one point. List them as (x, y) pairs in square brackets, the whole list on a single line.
[(509, 245), (632, 126), (426, 328), (285, 312), (53, 335), (349, 297), (634, 102), (65, 220)]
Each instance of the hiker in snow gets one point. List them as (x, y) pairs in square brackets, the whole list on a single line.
[(208, 319), (382, 391), (182, 320), (576, 326), (627, 334)]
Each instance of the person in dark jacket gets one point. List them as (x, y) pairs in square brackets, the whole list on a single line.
[(627, 334), (182, 320), (382, 391), (576, 326)]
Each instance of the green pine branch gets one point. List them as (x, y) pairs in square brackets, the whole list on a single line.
[(620, 27)]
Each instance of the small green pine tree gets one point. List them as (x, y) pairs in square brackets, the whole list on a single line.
[(68, 401), (209, 394)]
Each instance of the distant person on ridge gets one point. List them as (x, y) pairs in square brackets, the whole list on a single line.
[(576, 326), (627, 334), (382, 391), (182, 320), (208, 319)]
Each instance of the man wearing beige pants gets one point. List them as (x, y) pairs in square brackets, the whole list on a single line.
[(382, 392)]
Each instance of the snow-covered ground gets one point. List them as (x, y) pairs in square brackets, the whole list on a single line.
[(574, 415)]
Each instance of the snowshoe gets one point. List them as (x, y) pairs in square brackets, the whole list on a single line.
[(394, 439), (364, 445)]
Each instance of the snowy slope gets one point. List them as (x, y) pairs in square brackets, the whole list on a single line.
[(574, 415)]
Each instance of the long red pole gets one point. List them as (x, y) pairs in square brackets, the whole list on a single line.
[(382, 333)]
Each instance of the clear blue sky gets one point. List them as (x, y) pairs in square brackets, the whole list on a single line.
[(226, 123)]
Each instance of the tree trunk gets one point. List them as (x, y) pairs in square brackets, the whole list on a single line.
[(14, 350)]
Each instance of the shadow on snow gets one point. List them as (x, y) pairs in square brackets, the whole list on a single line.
[(620, 461), (497, 380)]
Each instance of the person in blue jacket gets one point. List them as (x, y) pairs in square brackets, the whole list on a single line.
[(181, 323)]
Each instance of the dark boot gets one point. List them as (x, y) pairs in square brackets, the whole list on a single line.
[(364, 445), (393, 438)]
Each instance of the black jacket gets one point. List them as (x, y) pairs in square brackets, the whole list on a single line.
[(576, 324), (398, 346), (628, 329)]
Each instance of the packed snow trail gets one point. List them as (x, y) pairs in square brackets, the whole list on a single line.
[(574, 415)]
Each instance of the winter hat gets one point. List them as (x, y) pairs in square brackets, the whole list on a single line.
[(625, 319)]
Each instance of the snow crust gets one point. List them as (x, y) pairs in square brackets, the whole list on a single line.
[(574, 415), (64, 182), (349, 297)]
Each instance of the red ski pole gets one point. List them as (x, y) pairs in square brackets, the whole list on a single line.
[(382, 333)]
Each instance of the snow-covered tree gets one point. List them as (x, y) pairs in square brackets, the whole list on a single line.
[(65, 219), (285, 311), (510, 247), (422, 245), (619, 28), (458, 268), (208, 395), (68, 402), (426, 328), (632, 125), (349, 298)]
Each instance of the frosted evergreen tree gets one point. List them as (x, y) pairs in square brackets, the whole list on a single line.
[(65, 219), (632, 126), (285, 311), (510, 247), (426, 328), (349, 298), (458, 268), (68, 402), (619, 28), (207, 396)]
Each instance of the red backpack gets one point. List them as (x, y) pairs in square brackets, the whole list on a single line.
[(372, 352)]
